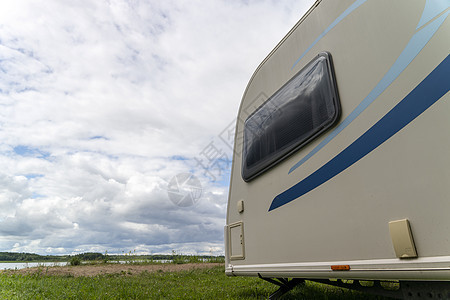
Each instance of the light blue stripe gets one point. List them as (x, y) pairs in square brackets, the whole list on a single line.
[(415, 45), (432, 9), (351, 8)]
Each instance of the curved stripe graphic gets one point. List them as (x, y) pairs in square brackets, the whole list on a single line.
[(414, 46), (351, 8), (431, 10), (430, 90)]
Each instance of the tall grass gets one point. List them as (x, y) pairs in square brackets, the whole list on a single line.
[(196, 284), (185, 259)]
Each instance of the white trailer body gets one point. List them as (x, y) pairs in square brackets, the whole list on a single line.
[(341, 165)]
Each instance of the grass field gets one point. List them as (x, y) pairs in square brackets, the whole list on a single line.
[(209, 283)]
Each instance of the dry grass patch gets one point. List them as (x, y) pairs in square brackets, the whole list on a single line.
[(110, 268)]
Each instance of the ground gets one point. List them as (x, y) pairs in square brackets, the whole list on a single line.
[(111, 268)]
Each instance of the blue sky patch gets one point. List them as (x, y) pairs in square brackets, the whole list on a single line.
[(23, 150)]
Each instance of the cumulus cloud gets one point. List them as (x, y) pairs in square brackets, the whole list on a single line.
[(103, 102)]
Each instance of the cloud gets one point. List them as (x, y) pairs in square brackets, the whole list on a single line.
[(103, 102)]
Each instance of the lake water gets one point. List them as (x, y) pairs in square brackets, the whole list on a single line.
[(23, 265)]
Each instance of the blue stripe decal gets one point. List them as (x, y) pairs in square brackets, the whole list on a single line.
[(430, 90), (432, 9), (414, 46), (351, 8)]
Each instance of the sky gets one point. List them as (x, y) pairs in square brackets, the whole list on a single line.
[(117, 118)]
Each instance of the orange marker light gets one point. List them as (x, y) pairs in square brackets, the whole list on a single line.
[(340, 268)]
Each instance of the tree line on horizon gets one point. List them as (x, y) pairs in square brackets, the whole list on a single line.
[(27, 257), (88, 256)]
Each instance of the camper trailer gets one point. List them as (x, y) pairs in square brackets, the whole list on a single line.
[(341, 163)]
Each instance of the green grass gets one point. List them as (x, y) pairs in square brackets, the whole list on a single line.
[(196, 284)]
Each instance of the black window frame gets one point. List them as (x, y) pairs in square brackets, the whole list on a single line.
[(294, 145)]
